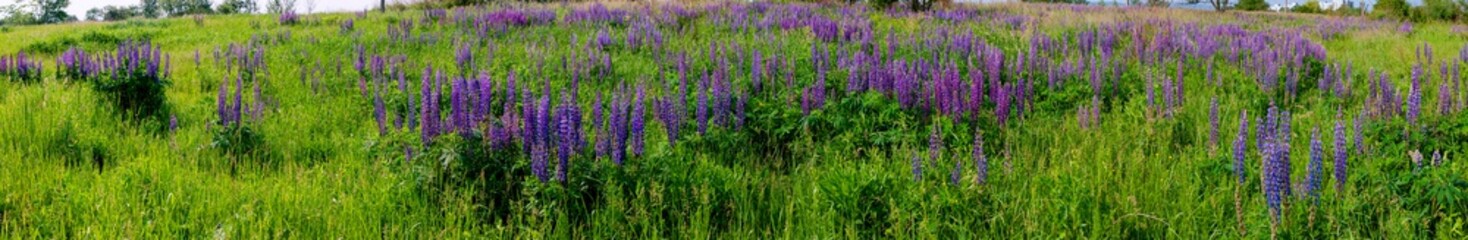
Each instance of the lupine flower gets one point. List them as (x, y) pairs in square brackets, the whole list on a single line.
[(566, 130), (1240, 146), (917, 168), (1213, 123), (636, 126), (429, 114), (172, 123), (1437, 158), (957, 171), (1416, 159), (669, 112), (1444, 100), (379, 112), (1414, 96), (1340, 153), (464, 56), (702, 111), (1282, 149), (935, 144), (1312, 177), (538, 161), (981, 163)]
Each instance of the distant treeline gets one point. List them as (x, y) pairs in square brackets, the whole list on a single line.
[(27, 12)]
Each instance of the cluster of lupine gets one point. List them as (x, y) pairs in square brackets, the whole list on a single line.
[(596, 14), (243, 63), (21, 68), (1274, 149), (348, 26), (500, 20), (76, 64), (289, 17), (1382, 100)]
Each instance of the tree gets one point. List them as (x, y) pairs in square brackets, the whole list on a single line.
[(17, 14), (150, 8), (237, 6), (52, 11), (1440, 10), (185, 7), (1219, 5), (281, 6), (1251, 5), (1311, 6), (113, 13), (1391, 8)]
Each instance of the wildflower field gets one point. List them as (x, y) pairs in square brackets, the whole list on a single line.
[(736, 121)]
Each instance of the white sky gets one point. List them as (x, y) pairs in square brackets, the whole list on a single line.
[(79, 8)]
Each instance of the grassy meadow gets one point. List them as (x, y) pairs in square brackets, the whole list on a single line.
[(826, 121)]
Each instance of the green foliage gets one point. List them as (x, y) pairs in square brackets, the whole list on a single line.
[(1252, 5), (113, 13), (237, 140), (1311, 6), (1395, 9), (280, 6), (176, 8), (237, 6), (53, 11), (1447, 10)]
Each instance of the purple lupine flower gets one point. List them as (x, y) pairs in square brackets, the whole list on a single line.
[(1313, 175), (429, 127), (935, 144), (529, 120), (1340, 153), (917, 168), (1437, 158), (566, 129), (981, 163), (459, 104), (1213, 123), (957, 171), (379, 112), (222, 105), (1240, 146), (1414, 96), (172, 123), (598, 116), (407, 154), (538, 161), (1444, 99), (1282, 150), (669, 110), (464, 56), (702, 111), (636, 117)]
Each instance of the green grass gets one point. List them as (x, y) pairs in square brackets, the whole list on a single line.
[(842, 173)]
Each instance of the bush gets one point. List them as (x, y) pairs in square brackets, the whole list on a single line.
[(136, 83), (1396, 9), (1309, 7), (1438, 10), (1252, 5)]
